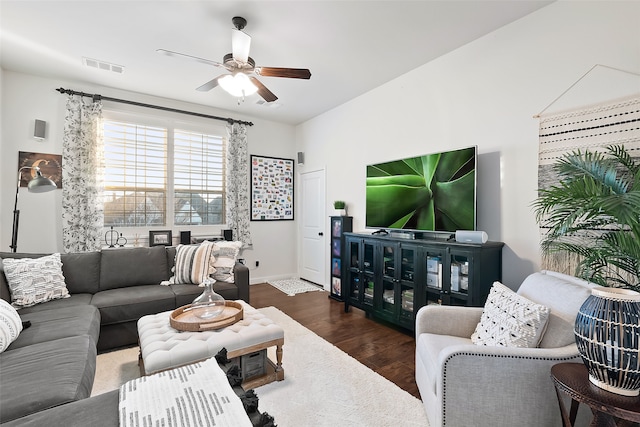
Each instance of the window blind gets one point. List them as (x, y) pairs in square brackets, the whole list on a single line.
[(199, 171)]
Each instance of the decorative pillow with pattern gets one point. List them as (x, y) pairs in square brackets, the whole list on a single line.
[(35, 280), (510, 320), (10, 325), (193, 263), (226, 254)]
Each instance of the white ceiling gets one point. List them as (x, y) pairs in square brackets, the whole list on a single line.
[(350, 47)]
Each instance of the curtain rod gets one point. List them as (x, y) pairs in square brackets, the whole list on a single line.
[(97, 97)]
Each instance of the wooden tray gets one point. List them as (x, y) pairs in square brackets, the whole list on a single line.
[(187, 321)]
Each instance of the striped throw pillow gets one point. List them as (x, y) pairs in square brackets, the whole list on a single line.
[(193, 263), (35, 280), (10, 325)]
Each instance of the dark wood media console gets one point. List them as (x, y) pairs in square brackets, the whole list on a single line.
[(391, 277)]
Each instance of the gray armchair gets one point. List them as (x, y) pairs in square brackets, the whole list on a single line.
[(463, 384)]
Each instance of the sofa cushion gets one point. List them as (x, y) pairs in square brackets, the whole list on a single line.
[(5, 294), (510, 320), (68, 303), (185, 294), (49, 325), (129, 304), (124, 267), (193, 263), (10, 325), (99, 410), (81, 272), (35, 280), (44, 375), (564, 296)]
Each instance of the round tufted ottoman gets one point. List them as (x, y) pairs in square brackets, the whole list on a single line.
[(163, 347)]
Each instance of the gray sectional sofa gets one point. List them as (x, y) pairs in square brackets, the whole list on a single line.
[(53, 361)]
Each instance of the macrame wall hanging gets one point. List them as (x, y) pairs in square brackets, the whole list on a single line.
[(589, 127)]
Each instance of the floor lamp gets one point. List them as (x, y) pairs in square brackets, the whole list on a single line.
[(39, 184)]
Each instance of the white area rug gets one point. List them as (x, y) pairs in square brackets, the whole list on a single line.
[(323, 386), (114, 369), (294, 286)]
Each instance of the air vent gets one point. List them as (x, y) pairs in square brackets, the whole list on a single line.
[(102, 65), (264, 103)]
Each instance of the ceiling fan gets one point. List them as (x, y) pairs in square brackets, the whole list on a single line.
[(241, 80)]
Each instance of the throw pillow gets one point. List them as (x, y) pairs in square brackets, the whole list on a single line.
[(510, 320), (35, 280), (226, 254), (10, 325), (193, 263)]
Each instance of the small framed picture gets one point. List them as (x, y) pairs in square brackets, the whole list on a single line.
[(336, 286), (335, 267), (160, 237), (335, 244), (336, 228)]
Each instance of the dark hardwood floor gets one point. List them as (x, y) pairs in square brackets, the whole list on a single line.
[(388, 350)]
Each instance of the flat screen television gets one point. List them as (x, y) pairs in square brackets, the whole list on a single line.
[(435, 192)]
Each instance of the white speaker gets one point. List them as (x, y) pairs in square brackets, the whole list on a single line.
[(300, 158), (468, 236), (39, 129)]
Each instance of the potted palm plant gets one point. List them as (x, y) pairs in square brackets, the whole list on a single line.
[(594, 213)]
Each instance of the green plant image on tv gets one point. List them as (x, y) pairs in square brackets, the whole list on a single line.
[(435, 192)]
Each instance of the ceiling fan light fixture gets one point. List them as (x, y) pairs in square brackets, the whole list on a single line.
[(238, 85), (240, 43)]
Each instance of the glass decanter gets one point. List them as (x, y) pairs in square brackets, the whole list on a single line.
[(209, 304)]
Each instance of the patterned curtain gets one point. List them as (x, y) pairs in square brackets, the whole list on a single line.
[(237, 206), (593, 128), (82, 175)]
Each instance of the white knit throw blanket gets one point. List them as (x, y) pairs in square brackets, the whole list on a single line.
[(194, 395)]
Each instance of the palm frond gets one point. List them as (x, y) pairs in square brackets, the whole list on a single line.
[(594, 213)]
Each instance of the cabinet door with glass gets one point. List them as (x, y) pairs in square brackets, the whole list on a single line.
[(410, 295), (398, 290), (458, 278), (434, 262), (358, 283)]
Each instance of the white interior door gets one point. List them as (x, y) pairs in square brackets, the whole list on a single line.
[(314, 251)]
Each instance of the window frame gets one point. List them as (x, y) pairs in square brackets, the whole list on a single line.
[(171, 122)]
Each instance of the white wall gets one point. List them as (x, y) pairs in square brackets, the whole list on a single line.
[(26, 98), (483, 94)]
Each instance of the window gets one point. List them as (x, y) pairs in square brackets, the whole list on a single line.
[(162, 175)]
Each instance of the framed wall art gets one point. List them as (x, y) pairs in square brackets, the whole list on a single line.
[(271, 188), (160, 237), (50, 166)]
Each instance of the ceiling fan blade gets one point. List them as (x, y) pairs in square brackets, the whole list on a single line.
[(264, 93), (184, 55), (292, 73), (209, 85), (240, 44)]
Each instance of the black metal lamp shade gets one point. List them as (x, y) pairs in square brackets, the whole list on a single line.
[(39, 184)]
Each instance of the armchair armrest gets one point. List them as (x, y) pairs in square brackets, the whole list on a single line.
[(447, 320), (516, 380)]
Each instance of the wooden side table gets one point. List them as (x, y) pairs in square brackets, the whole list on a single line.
[(609, 409)]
